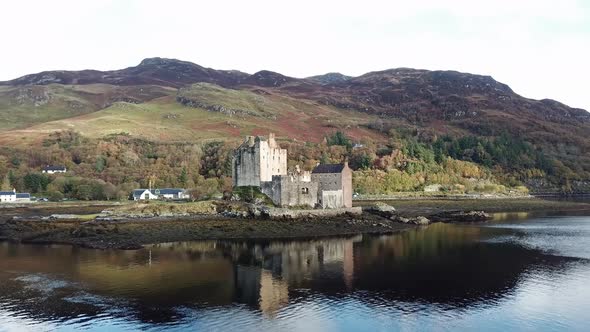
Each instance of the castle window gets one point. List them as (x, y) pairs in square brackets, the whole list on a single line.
[(305, 190)]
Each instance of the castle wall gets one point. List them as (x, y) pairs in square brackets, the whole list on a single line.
[(273, 159), (245, 167), (291, 190), (335, 182), (347, 186), (257, 160), (332, 199), (328, 181), (272, 189)]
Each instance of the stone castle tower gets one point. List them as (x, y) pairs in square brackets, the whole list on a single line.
[(257, 159)]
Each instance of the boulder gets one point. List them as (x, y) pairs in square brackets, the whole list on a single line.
[(383, 207), (420, 220)]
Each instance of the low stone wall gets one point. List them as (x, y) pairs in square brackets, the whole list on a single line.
[(279, 213), (418, 196)]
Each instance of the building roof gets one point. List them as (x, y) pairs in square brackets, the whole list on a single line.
[(7, 193), (156, 192), (54, 168), (23, 195), (328, 168)]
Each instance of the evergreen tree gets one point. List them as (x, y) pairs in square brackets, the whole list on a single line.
[(183, 177)]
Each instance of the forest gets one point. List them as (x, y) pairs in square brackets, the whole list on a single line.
[(110, 168)]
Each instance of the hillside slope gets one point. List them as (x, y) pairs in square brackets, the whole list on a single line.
[(168, 100)]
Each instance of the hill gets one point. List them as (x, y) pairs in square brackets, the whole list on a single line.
[(464, 116)]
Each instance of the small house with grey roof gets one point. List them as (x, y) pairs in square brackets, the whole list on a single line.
[(14, 197), (164, 194), (54, 169)]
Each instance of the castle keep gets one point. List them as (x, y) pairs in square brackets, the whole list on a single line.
[(257, 160), (260, 162)]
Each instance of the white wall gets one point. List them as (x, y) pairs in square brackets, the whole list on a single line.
[(7, 198)]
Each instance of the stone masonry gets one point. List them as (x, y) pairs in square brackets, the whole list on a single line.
[(260, 162), (257, 160)]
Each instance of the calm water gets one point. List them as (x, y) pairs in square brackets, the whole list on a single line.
[(515, 273)]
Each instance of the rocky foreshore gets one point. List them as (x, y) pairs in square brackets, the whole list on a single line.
[(132, 225), (133, 233)]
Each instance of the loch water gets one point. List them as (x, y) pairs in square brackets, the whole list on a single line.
[(518, 272)]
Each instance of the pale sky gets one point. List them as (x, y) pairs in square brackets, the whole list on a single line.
[(541, 48)]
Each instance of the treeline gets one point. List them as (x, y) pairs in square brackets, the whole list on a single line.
[(110, 168)]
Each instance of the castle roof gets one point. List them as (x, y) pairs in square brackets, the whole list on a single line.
[(328, 168)]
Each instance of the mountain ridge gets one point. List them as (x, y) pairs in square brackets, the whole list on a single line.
[(159, 71)]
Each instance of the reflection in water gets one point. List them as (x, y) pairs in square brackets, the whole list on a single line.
[(223, 284), (510, 216)]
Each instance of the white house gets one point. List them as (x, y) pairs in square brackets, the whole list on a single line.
[(13, 196), (54, 169), (8, 196), (166, 193)]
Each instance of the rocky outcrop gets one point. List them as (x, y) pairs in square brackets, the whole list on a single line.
[(330, 78), (213, 108), (387, 211), (461, 216), (420, 220)]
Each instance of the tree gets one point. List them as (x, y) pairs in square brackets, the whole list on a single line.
[(6, 185), (12, 178), (204, 188), (36, 182), (110, 191), (216, 160), (84, 192), (55, 196), (183, 177), (339, 138), (100, 164)]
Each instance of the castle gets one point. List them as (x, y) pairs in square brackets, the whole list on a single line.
[(261, 162)]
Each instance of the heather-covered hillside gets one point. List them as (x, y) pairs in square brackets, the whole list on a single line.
[(409, 128)]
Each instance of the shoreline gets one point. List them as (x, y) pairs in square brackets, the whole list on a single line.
[(25, 225), (134, 233)]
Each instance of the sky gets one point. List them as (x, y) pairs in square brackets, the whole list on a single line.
[(540, 48)]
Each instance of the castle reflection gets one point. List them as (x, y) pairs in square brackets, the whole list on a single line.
[(443, 263)]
